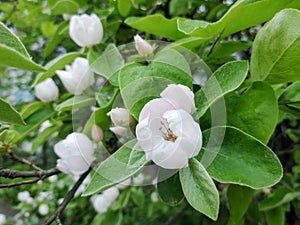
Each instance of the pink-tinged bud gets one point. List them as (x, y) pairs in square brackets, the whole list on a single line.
[(47, 91), (97, 133), (86, 30), (142, 46)]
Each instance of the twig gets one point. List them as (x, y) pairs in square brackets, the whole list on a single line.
[(19, 174), (176, 216), (57, 220), (11, 174), (67, 199), (24, 161), (154, 8)]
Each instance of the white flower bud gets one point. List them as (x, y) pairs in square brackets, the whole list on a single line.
[(77, 77), (86, 30), (154, 198), (43, 209), (24, 196), (142, 46), (53, 179), (97, 133), (124, 184), (120, 117), (47, 90), (76, 154), (100, 203), (111, 194)]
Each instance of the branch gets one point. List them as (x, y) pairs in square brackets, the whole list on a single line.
[(55, 216), (41, 175), (11, 174), (24, 161)]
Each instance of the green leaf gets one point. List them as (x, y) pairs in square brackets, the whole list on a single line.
[(199, 189), (34, 121), (238, 17), (124, 7), (10, 40), (279, 197), (65, 7), (232, 156), (138, 197), (10, 57), (108, 64), (113, 218), (75, 102), (139, 84), (31, 108), (42, 137), (169, 187), (9, 114), (226, 79), (167, 27), (251, 113), (276, 49), (291, 94), (55, 64), (239, 199), (275, 216), (124, 163)]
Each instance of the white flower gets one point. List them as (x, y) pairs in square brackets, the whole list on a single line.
[(139, 179), (181, 96), (154, 198), (45, 125), (100, 203), (142, 46), (43, 209), (53, 179), (47, 90), (170, 139), (124, 184), (24, 196), (2, 219), (86, 30), (77, 77), (97, 133), (76, 154), (122, 131), (120, 117), (111, 194)]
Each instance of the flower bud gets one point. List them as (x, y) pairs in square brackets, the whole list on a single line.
[(97, 133), (76, 154), (47, 90), (154, 198), (24, 196), (86, 30), (43, 209), (111, 194), (142, 46), (100, 203), (120, 117), (77, 77)]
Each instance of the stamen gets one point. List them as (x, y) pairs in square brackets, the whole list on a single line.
[(168, 135)]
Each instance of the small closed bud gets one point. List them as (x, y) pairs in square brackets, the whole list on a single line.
[(43, 209), (47, 90), (86, 30), (100, 203), (120, 117), (142, 46), (97, 133)]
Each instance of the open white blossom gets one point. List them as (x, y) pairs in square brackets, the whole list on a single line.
[(171, 139), (86, 30), (46, 91), (76, 154), (24, 196), (77, 77), (142, 46)]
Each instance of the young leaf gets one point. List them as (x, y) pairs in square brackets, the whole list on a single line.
[(124, 163), (226, 79), (75, 102), (124, 7), (276, 49), (169, 189), (42, 137), (199, 189), (239, 199), (9, 114), (232, 156), (65, 6), (275, 216)]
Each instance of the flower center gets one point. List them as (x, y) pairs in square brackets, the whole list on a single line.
[(167, 133)]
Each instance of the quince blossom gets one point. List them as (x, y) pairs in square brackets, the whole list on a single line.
[(167, 132)]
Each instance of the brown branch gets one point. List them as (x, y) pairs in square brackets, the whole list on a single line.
[(55, 216), (41, 175), (24, 161), (11, 174), (176, 216)]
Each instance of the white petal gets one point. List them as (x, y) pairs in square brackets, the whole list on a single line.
[(100, 204), (47, 90), (111, 194), (67, 80), (182, 95)]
